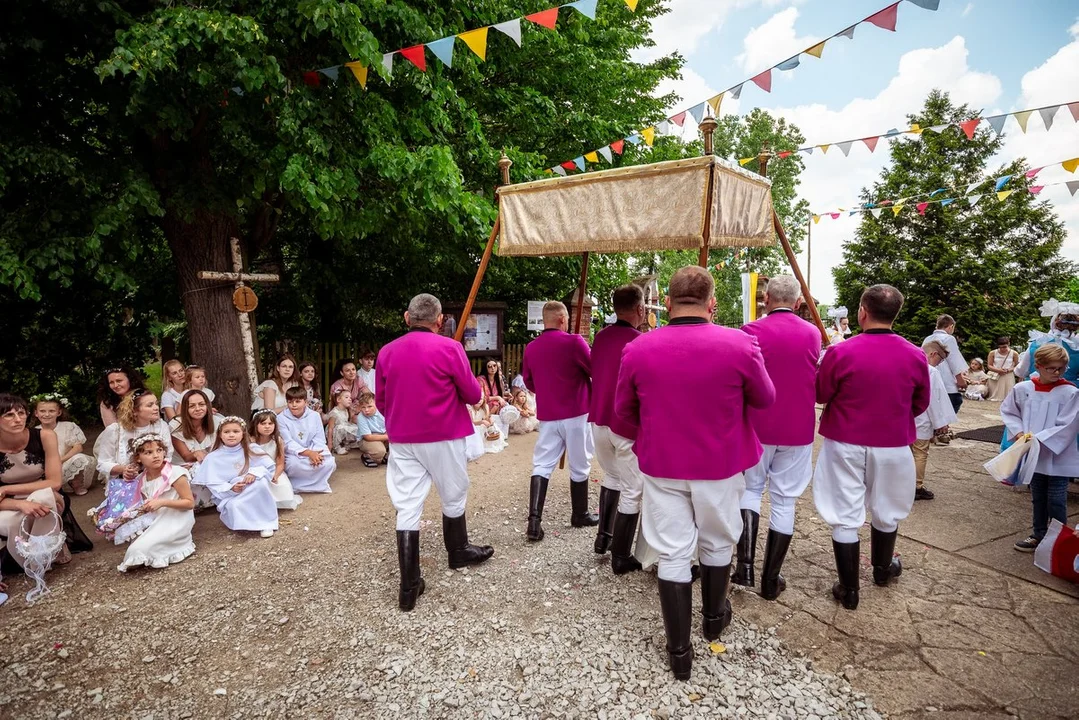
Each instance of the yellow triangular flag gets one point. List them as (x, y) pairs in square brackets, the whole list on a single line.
[(896, 209), (1070, 165), (816, 50), (743, 161), (649, 135), (824, 148), (816, 218), (1022, 117), (632, 5), (591, 157), (715, 103), (360, 71), (916, 129), (1003, 194), (476, 41)]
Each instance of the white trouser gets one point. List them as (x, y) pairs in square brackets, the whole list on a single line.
[(849, 477), (620, 469), (571, 436), (412, 468), (681, 516), (786, 469)]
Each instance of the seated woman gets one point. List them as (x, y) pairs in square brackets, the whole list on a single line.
[(525, 402), (977, 381), (240, 480), (116, 384), (193, 433), (494, 386), (137, 414), (156, 506), (271, 393), (78, 469)]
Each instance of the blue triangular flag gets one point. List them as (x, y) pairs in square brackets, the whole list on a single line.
[(698, 112), (331, 72), (949, 201), (736, 91), (852, 212), (443, 49), (1001, 182), (585, 7), (238, 90), (579, 162), (806, 150), (997, 123), (789, 64), (891, 133), (937, 192), (634, 139), (927, 4)]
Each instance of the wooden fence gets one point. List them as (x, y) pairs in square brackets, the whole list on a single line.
[(326, 355)]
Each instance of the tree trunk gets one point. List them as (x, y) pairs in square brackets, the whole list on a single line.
[(201, 242)]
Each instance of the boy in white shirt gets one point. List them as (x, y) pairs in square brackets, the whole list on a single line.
[(935, 420)]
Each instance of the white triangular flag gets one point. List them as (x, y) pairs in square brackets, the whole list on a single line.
[(511, 28), (387, 64), (606, 153)]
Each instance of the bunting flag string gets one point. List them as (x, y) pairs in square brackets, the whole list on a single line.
[(475, 40), (972, 200), (996, 122), (885, 19), (1069, 165)]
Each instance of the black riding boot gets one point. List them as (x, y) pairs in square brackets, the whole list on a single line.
[(772, 583), (846, 563), (578, 495), (715, 605), (537, 493), (747, 549), (622, 560), (882, 552), (408, 557), (608, 506), (676, 604), (455, 535)]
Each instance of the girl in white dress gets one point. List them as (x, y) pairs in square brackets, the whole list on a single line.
[(78, 469), (167, 493), (173, 389), (195, 379), (239, 480), (193, 432), (340, 428), (271, 393), (266, 440), (136, 415)]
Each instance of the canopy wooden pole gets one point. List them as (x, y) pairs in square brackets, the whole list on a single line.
[(581, 287), (708, 127), (504, 164)]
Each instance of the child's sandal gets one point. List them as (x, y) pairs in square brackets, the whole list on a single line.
[(368, 461)]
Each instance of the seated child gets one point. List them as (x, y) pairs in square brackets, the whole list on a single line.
[(196, 380), (78, 469), (525, 402), (240, 480), (340, 429), (1048, 408), (308, 460), (160, 491), (266, 440), (977, 381), (371, 430)]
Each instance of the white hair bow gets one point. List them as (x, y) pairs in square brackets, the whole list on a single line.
[(1052, 307), (837, 313)]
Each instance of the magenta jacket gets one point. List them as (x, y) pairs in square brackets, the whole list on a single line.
[(688, 388), (557, 367), (873, 386), (606, 360), (424, 385), (790, 347)]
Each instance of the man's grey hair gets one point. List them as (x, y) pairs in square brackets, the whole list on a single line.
[(784, 289), (424, 309)]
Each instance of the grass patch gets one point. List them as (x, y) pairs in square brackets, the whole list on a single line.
[(151, 372)]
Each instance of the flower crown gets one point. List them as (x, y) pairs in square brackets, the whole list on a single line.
[(234, 419), (50, 397), (262, 411), (146, 438), (1052, 307)]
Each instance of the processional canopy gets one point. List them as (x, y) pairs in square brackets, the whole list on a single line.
[(660, 206)]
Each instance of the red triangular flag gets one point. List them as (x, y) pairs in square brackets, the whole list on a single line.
[(871, 143), (969, 127), (311, 78), (547, 18), (1074, 109), (569, 165), (885, 18), (921, 207), (783, 154), (618, 145), (834, 216), (764, 80), (679, 119), (415, 55), (1035, 189)]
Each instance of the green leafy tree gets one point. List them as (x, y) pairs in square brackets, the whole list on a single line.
[(990, 266)]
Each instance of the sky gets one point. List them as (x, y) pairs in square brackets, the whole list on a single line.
[(996, 55)]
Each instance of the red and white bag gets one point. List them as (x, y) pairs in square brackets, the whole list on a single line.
[(1058, 552)]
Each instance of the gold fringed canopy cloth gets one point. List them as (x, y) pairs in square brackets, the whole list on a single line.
[(661, 206)]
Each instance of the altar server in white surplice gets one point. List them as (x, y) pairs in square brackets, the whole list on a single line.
[(308, 461)]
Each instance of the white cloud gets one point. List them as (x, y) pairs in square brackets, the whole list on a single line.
[(773, 42), (967, 9), (690, 21)]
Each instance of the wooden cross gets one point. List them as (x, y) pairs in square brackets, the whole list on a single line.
[(245, 301)]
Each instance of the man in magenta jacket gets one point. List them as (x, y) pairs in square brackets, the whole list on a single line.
[(425, 384), (693, 455)]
